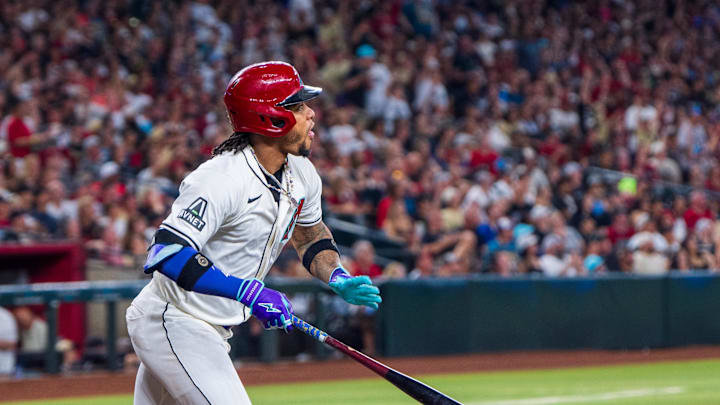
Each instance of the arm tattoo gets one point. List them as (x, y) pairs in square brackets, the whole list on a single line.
[(326, 261)]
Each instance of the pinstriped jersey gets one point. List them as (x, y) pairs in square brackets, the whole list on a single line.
[(226, 210)]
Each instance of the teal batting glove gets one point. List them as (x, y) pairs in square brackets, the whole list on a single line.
[(355, 290)]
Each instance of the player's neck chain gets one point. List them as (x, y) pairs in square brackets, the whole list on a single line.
[(288, 174)]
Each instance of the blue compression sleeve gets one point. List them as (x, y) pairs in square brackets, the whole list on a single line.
[(194, 272), (215, 282)]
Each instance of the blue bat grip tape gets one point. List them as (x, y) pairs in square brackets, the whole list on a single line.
[(309, 329)]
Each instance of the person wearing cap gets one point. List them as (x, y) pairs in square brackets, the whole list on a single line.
[(555, 262), (233, 216), (357, 81), (594, 264), (503, 242)]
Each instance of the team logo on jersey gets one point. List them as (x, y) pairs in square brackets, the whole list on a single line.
[(193, 214), (295, 216)]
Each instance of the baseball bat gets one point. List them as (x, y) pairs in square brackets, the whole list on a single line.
[(421, 392)]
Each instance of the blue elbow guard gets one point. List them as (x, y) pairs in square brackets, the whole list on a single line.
[(191, 270), (157, 254)]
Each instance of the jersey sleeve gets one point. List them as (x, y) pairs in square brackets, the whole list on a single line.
[(203, 206), (311, 213)]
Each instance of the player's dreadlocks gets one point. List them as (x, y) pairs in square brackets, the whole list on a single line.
[(235, 143)]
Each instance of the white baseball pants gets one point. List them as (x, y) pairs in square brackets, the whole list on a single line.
[(184, 360)]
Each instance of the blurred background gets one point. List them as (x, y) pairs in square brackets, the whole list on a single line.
[(551, 167)]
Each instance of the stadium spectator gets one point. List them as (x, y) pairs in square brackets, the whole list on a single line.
[(456, 248), (575, 125), (697, 209), (33, 331), (363, 262), (505, 264), (395, 193), (394, 270), (620, 230), (8, 342), (692, 257), (424, 266), (530, 259), (555, 262), (20, 137), (398, 225), (504, 241), (646, 259)]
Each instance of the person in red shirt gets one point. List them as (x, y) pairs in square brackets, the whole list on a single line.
[(395, 192), (484, 157), (697, 210), (5, 211), (363, 263), (620, 229), (20, 138)]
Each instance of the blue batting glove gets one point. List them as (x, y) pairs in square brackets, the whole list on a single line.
[(355, 290), (271, 307)]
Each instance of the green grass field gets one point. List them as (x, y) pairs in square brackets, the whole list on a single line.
[(687, 383)]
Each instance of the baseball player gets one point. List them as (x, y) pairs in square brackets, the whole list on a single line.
[(233, 216)]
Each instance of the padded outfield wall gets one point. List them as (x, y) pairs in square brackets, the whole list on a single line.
[(478, 314), (443, 316)]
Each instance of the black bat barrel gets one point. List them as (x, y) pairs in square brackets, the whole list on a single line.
[(421, 392)]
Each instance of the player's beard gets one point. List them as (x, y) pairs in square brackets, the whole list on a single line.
[(303, 151), (300, 141)]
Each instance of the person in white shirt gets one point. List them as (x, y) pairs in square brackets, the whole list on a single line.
[(640, 110), (8, 341), (397, 108), (556, 263), (344, 135), (33, 330)]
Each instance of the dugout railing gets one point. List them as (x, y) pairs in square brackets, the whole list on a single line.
[(51, 295)]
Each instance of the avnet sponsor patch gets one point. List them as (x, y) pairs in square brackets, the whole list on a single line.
[(193, 214)]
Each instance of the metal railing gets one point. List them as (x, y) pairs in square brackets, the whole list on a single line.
[(52, 294)]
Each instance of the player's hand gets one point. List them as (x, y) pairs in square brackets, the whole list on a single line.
[(355, 290), (271, 307)]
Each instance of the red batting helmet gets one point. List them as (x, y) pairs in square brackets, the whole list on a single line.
[(256, 95)]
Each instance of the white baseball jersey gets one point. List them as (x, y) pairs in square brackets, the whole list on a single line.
[(227, 211)]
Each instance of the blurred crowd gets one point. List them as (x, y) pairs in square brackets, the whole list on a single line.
[(505, 137)]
